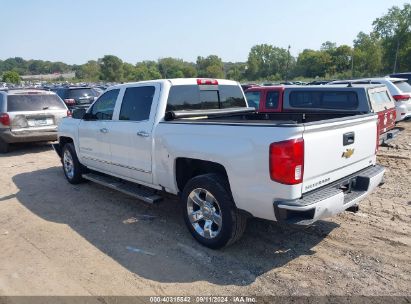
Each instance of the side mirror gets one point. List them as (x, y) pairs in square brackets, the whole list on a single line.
[(79, 113)]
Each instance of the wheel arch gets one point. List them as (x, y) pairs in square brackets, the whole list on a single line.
[(187, 168), (64, 140)]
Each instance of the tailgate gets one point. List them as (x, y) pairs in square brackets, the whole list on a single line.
[(338, 148)]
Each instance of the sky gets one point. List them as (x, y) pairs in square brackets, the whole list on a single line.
[(75, 31)]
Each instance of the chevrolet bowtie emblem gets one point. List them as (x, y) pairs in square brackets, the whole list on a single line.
[(348, 153)]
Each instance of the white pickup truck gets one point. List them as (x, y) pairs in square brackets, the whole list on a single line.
[(197, 138)]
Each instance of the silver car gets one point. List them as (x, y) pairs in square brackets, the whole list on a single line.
[(29, 116)]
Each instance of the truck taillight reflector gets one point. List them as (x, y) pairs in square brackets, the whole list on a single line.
[(401, 97), (207, 82), (287, 161), (5, 119)]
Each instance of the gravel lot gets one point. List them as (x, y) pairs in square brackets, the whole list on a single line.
[(60, 239)]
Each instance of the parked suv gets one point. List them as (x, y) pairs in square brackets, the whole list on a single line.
[(340, 99), (399, 88), (77, 97), (29, 116)]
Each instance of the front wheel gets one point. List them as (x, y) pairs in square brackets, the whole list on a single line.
[(71, 165), (210, 213)]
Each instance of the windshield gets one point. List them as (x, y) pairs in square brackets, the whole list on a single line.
[(403, 86), (253, 99), (34, 103)]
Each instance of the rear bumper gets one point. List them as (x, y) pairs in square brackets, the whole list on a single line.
[(389, 136), (28, 136), (331, 199)]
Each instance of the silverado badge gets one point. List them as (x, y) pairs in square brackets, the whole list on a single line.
[(348, 153)]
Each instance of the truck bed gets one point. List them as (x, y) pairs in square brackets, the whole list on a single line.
[(284, 118)]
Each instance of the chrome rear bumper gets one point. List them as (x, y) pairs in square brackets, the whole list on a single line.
[(330, 199)]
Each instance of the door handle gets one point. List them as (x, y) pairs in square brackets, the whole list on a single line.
[(104, 130), (348, 138), (143, 134)]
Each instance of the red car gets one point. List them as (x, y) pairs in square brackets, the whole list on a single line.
[(336, 98)]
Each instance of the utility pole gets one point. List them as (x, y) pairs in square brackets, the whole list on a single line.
[(288, 62), (352, 64), (396, 55)]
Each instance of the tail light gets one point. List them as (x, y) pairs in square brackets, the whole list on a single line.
[(5, 119), (207, 82), (69, 113), (70, 101), (401, 97), (287, 161)]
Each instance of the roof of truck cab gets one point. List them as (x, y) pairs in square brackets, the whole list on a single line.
[(176, 81), (267, 88), (188, 81)]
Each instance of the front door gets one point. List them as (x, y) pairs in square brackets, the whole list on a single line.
[(131, 134), (94, 145)]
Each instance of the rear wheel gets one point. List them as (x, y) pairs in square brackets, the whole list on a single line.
[(71, 165), (210, 213), (4, 147)]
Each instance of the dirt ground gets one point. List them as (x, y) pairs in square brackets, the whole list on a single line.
[(61, 239)]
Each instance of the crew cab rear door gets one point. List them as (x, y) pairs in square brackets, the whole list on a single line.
[(336, 148), (131, 137)]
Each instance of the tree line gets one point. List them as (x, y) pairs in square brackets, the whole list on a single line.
[(386, 49)]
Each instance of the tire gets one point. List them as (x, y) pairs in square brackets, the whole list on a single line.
[(212, 192), (71, 166), (4, 147)]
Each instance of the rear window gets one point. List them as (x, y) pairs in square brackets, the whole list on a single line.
[(191, 97), (339, 100), (253, 99), (380, 98), (34, 103), (403, 86), (76, 93)]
